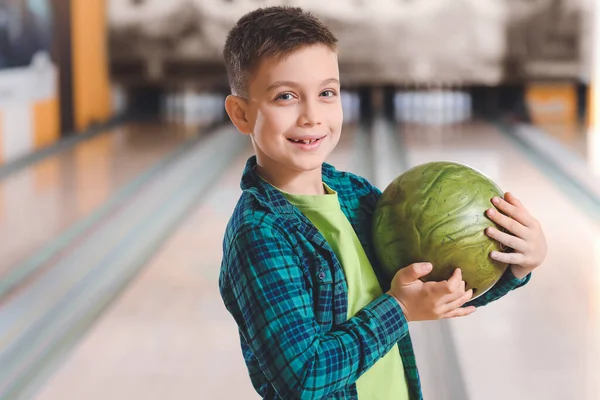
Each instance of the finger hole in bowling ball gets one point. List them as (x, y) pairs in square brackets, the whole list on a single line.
[(475, 290), (506, 249)]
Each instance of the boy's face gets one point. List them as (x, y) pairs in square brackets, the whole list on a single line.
[(292, 101)]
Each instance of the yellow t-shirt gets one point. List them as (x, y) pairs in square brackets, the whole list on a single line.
[(385, 380)]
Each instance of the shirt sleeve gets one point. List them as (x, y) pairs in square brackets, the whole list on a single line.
[(375, 191), (278, 323), (507, 283)]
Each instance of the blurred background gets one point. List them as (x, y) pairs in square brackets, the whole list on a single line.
[(119, 170)]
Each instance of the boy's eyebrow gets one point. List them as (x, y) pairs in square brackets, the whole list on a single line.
[(277, 84)]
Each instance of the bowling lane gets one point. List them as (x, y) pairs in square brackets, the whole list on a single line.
[(169, 335), (541, 341), (63, 189)]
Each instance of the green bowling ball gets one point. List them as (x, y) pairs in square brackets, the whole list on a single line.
[(435, 212)]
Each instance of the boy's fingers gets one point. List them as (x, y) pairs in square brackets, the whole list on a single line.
[(511, 241), (455, 295), (508, 258), (511, 207), (509, 197), (458, 300), (510, 224), (453, 283), (455, 279), (460, 312), (449, 289), (413, 272)]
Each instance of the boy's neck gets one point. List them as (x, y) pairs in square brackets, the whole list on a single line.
[(294, 182)]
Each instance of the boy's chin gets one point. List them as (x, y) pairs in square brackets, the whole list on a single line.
[(308, 165)]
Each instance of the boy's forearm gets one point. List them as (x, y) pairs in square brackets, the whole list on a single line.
[(316, 365), (339, 357), (279, 324)]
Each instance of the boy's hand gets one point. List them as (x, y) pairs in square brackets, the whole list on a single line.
[(527, 239), (430, 300)]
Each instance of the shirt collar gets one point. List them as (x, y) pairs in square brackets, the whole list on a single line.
[(271, 197)]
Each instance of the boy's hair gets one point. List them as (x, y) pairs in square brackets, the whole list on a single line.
[(269, 32)]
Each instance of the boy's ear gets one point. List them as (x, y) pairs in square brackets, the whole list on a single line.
[(237, 109)]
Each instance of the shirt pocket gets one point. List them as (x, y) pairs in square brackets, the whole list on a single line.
[(323, 294)]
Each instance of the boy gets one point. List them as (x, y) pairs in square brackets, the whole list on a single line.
[(299, 274)]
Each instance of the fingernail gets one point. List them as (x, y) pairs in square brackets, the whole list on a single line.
[(494, 254), (495, 200), (491, 212)]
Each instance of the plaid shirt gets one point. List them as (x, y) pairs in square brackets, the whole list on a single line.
[(286, 290)]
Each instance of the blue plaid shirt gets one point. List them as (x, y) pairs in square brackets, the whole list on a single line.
[(286, 290)]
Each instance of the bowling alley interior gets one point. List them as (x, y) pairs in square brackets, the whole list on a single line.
[(120, 170)]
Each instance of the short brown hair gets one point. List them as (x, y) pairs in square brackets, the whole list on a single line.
[(269, 32)]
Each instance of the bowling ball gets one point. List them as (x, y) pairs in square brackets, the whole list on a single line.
[(435, 212)]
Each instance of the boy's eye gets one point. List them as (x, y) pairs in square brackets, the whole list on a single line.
[(328, 93), (284, 96)]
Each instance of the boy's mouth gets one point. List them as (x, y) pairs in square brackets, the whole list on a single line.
[(305, 141)]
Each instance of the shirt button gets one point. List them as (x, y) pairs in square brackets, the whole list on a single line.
[(321, 275)]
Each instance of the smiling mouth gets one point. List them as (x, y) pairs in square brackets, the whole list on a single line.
[(305, 141)]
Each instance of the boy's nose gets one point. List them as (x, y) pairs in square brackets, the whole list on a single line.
[(309, 115)]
